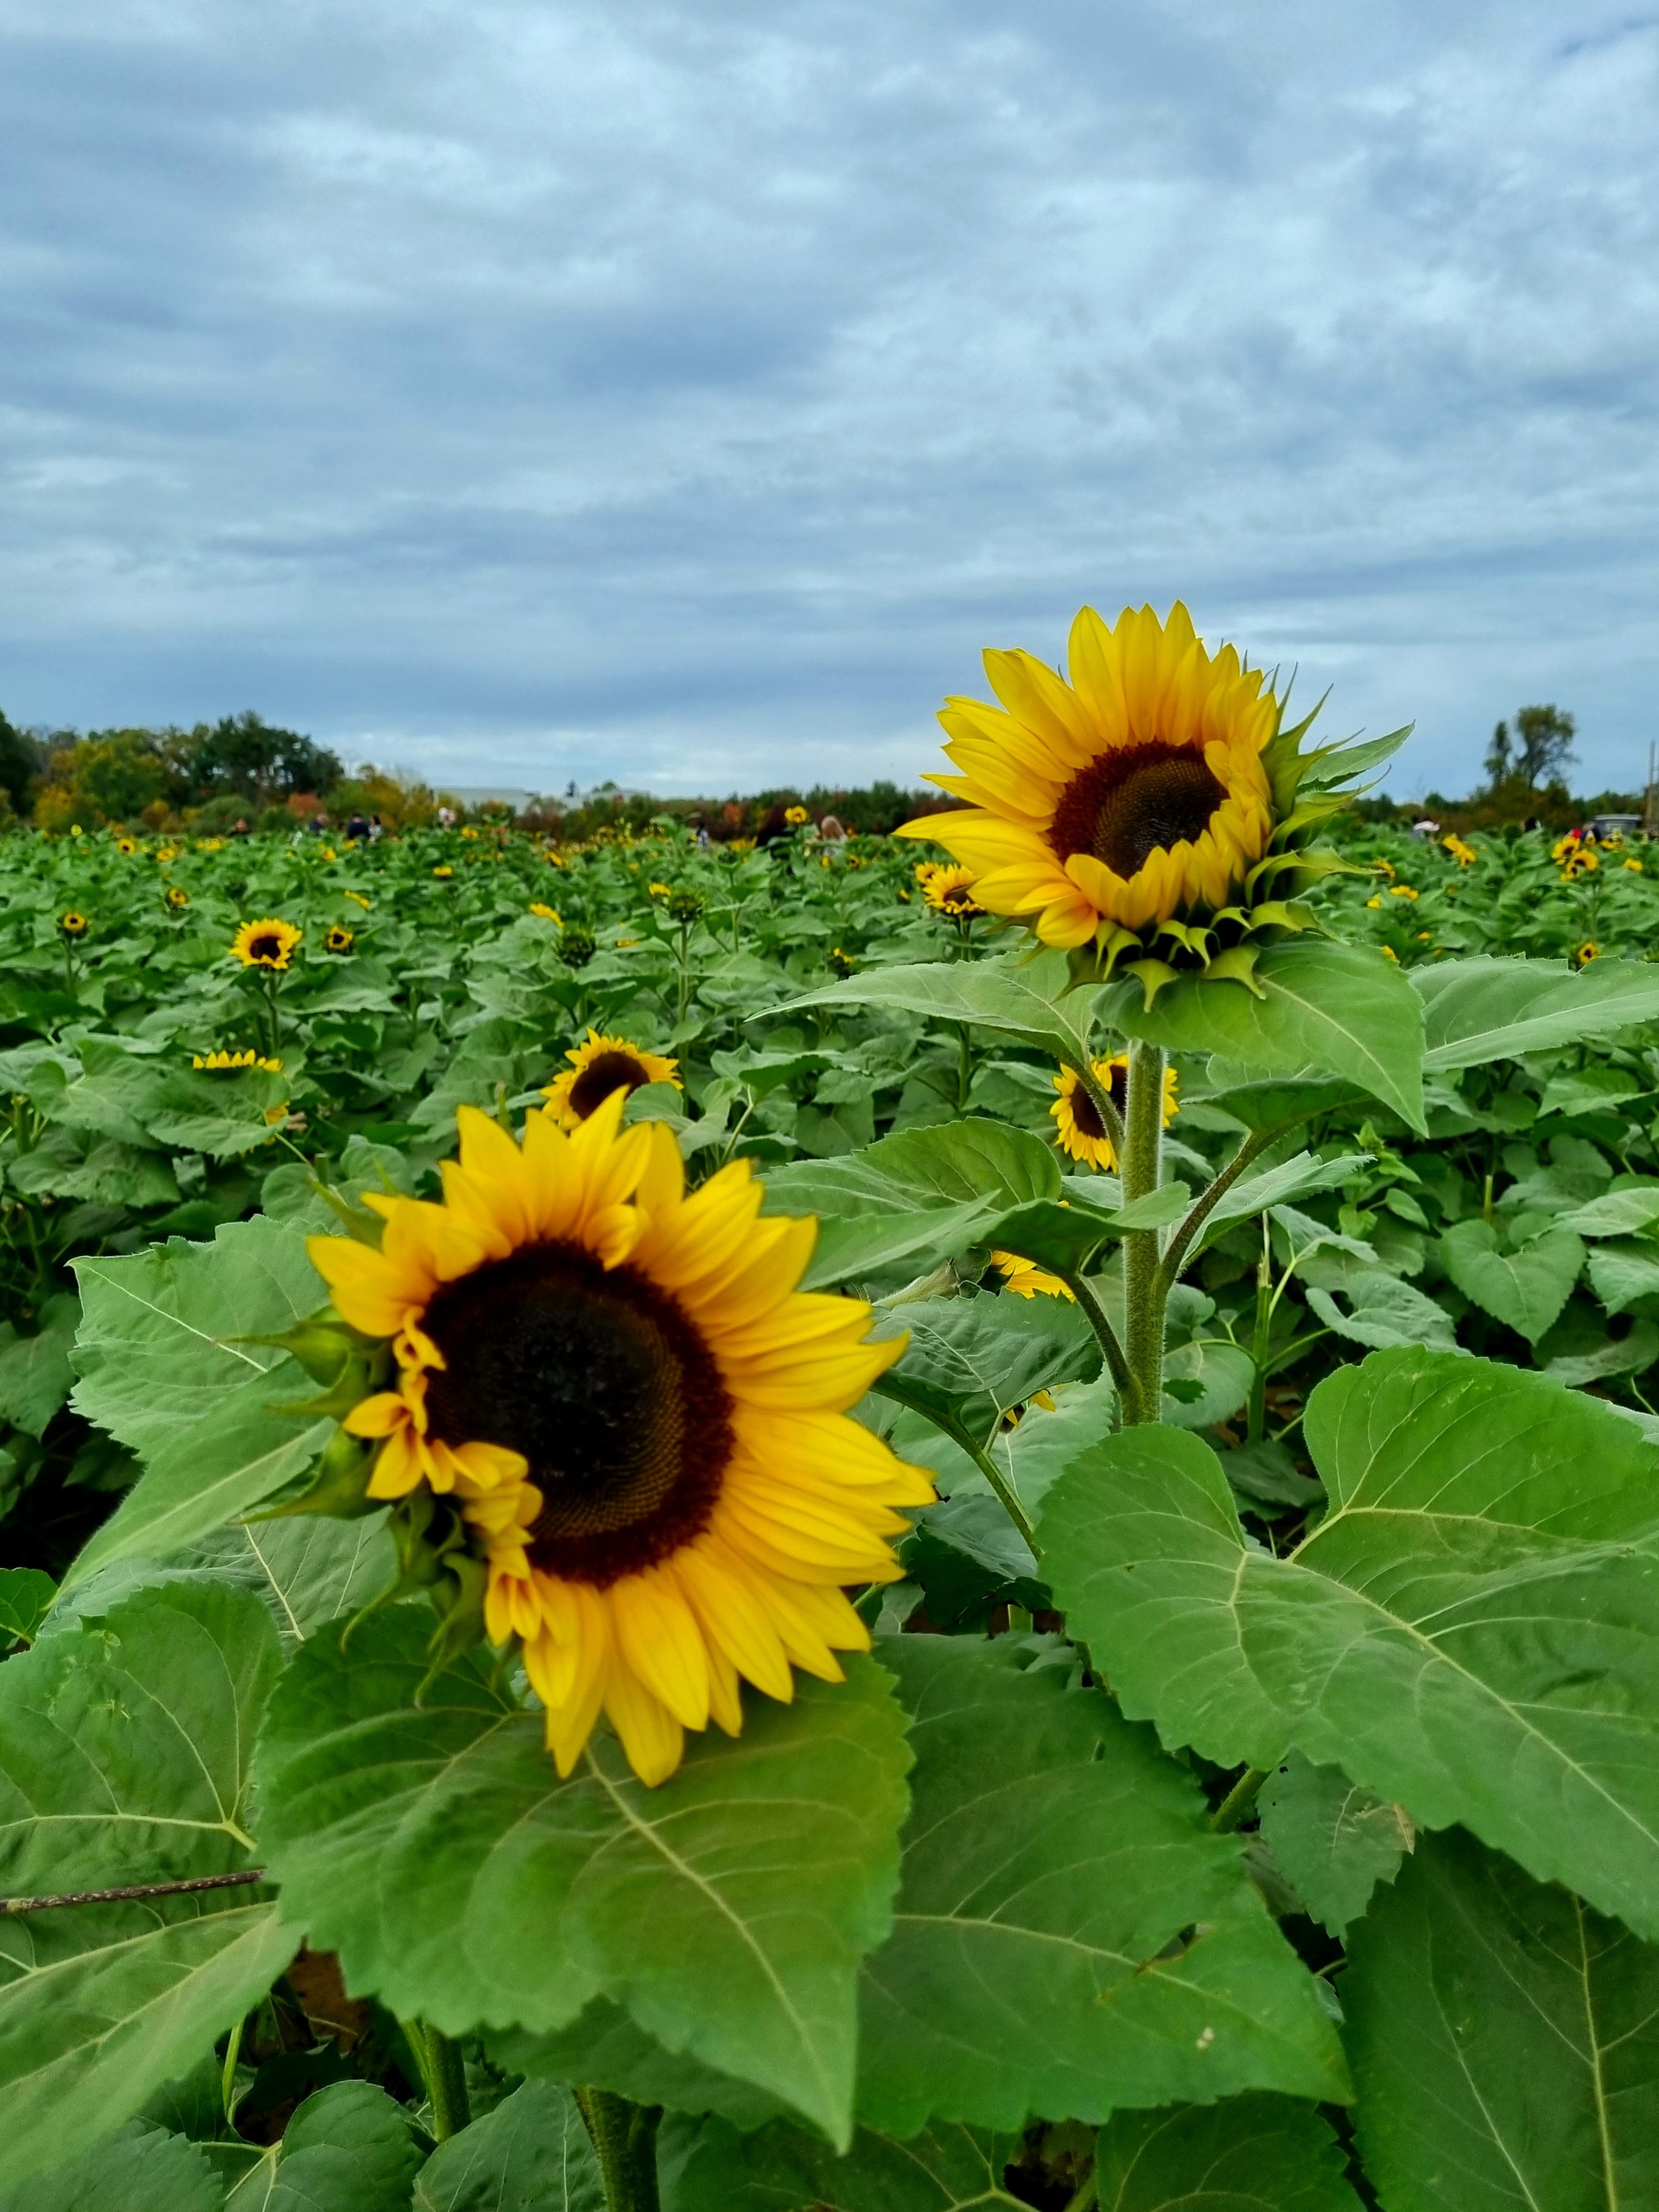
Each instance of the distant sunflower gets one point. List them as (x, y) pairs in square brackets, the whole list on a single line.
[(230, 1063), (545, 913), (268, 944), (599, 1066), (338, 939), (178, 898), (73, 924), (950, 891), (1026, 1279), (126, 844), (443, 872), (1083, 1134), (643, 1422), (796, 816), (1589, 950)]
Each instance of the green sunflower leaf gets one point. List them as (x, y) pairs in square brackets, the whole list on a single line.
[(971, 1159), (435, 1848), (1525, 1288), (604, 2048), (531, 2153), (707, 2167), (1248, 2155), (348, 2148), (35, 1373), (969, 1361), (1024, 997), (139, 2169), (162, 1369), (124, 1759), (1505, 2039), (1472, 1631), (1322, 1004), (1332, 1841), (1476, 1011), (863, 1244), (1069, 1935)]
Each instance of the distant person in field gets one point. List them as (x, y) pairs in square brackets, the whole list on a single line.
[(358, 828)]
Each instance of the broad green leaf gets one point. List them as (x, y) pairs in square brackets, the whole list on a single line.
[(139, 2169), (920, 1169), (1385, 1313), (862, 1244), (436, 1850), (1590, 1091), (222, 1116), (124, 1757), (968, 1556), (1266, 1107), (1624, 1271), (1631, 1354), (707, 2167), (1061, 1234), (1472, 1632), (1250, 2155), (124, 1750), (1617, 1214), (1322, 1005), (1069, 1935), (348, 2148), (1476, 1011), (1525, 1288), (1505, 2039), (161, 1370), (1296, 1178), (604, 2048), (969, 1361), (530, 2154), (308, 1569), (1033, 1453), (1221, 1373), (101, 2004), (35, 1373), (1333, 1842), (1022, 997), (26, 1596)]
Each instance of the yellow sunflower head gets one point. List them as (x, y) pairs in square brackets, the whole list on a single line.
[(126, 845), (442, 872), (357, 899), (1026, 1279), (1635, 867), (950, 891), (1152, 798), (1589, 950), (73, 924), (177, 898), (544, 913), (640, 1422), (269, 943), (599, 1066), (796, 816), (1082, 1134), (338, 939)]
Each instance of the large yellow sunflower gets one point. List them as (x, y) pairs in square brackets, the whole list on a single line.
[(1134, 793), (1083, 1134), (268, 944), (644, 1422), (599, 1066)]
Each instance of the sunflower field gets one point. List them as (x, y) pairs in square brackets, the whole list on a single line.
[(963, 1520)]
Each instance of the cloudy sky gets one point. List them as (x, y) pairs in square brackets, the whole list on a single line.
[(518, 390)]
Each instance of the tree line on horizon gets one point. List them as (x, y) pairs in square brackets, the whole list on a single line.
[(244, 772)]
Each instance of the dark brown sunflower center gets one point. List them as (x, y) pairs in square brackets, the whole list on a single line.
[(1134, 802), (958, 895), (1084, 1111), (605, 1073), (266, 948), (600, 1379)]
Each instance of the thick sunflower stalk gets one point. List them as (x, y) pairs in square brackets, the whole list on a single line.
[(1150, 813)]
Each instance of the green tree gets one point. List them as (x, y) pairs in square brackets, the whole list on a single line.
[(246, 755), (116, 773), (19, 762), (1546, 736), (1500, 762)]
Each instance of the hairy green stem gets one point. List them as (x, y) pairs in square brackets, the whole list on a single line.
[(1007, 1497), (1175, 1256), (1095, 1314), (624, 2139), (1142, 1159), (1238, 1800), (441, 2062), (1257, 1416)]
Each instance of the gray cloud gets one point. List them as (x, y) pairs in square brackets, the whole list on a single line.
[(685, 394)]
